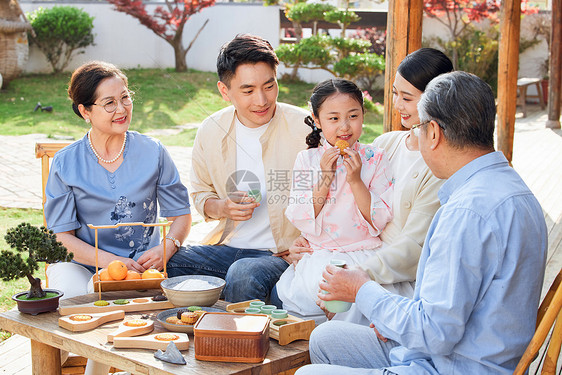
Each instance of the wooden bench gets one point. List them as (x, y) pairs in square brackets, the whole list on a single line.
[(522, 85)]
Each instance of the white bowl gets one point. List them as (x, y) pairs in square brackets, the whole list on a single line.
[(192, 297)]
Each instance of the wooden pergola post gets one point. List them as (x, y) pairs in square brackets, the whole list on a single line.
[(404, 34), (555, 67), (508, 66)]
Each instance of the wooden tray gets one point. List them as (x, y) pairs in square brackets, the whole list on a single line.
[(294, 329), (150, 342), (96, 319), (107, 286), (87, 308)]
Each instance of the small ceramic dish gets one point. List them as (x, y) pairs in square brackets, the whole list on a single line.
[(257, 304), (252, 310), (279, 314), (186, 328), (267, 309)]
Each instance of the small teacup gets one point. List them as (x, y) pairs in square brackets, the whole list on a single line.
[(257, 304), (252, 310), (337, 306), (279, 314), (256, 194), (267, 309)]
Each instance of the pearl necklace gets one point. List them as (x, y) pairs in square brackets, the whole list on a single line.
[(99, 157)]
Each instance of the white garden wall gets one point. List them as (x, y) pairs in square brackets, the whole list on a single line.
[(122, 40)]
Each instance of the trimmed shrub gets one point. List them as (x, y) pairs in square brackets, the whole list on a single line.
[(61, 32)]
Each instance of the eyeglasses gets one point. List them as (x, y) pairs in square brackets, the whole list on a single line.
[(415, 127), (111, 105)]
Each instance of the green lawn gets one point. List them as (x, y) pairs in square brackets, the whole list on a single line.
[(164, 99)]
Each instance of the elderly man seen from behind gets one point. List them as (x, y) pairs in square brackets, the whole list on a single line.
[(481, 269)]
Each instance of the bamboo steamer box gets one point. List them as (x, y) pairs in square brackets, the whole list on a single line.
[(231, 337)]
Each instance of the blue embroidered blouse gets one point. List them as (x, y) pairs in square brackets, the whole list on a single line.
[(80, 192)]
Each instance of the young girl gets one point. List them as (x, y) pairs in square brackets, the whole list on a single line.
[(341, 199)]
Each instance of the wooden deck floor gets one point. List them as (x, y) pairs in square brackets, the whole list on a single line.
[(537, 157)]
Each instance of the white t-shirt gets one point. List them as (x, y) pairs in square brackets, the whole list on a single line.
[(256, 232)]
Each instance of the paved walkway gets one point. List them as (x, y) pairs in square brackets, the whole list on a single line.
[(20, 171)]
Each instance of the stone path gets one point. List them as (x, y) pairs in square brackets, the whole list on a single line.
[(20, 175)]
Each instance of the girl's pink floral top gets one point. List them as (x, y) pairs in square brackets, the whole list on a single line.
[(340, 225)]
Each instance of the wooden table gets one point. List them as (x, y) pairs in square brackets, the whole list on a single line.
[(47, 339)]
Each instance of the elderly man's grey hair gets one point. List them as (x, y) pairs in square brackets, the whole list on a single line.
[(464, 107)]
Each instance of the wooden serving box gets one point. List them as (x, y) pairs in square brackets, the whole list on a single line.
[(231, 337), (137, 284)]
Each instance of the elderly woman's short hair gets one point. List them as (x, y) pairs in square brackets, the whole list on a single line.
[(464, 107)]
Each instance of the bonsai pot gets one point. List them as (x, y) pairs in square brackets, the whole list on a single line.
[(37, 306)]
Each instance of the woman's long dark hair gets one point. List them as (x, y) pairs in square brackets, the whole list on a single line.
[(323, 91), (421, 66)]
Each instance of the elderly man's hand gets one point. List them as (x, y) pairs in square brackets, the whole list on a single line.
[(379, 336), (342, 284)]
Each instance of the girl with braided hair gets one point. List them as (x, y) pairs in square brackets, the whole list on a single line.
[(341, 197)]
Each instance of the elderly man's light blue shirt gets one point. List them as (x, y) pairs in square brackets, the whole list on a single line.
[(479, 278), (80, 192)]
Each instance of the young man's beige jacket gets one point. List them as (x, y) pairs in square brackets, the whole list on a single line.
[(214, 160)]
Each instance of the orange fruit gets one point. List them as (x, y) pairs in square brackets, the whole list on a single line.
[(117, 270), (151, 273), (104, 275), (132, 275)]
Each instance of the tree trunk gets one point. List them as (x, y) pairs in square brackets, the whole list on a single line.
[(35, 291), (179, 54), (186, 50), (298, 35)]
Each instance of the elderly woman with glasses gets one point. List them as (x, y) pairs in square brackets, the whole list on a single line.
[(112, 175)]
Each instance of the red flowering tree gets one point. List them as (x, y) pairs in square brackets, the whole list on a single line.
[(457, 15), (167, 21)]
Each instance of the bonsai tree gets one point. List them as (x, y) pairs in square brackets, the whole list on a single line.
[(41, 245), (341, 56)]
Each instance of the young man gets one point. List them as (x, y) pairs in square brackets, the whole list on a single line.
[(482, 265), (242, 161)]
